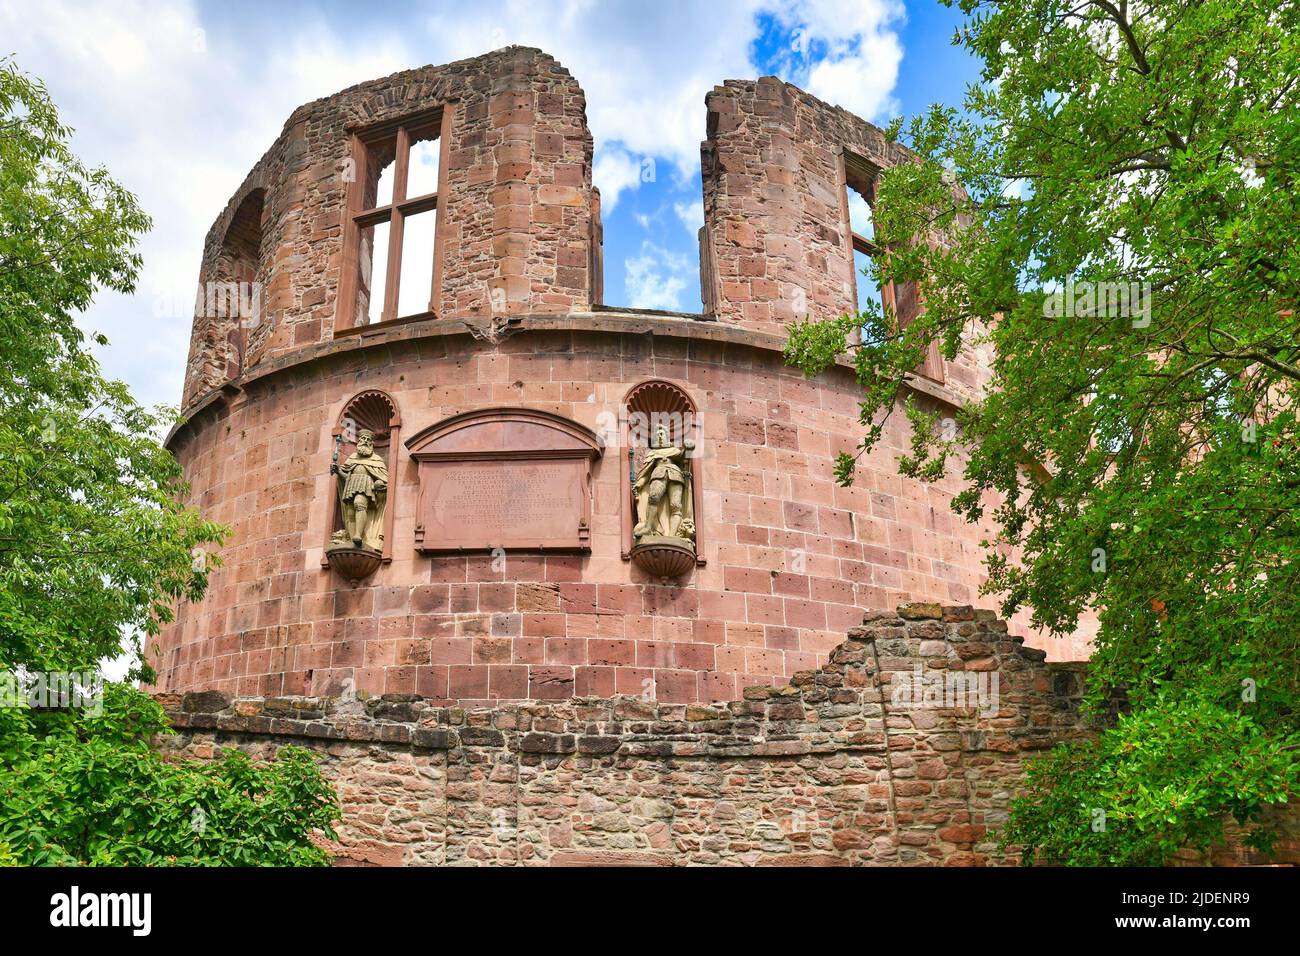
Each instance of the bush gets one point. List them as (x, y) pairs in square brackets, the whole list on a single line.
[(80, 789)]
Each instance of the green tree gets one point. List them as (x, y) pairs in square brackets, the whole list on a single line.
[(94, 541), (78, 787), (96, 546), (1154, 148)]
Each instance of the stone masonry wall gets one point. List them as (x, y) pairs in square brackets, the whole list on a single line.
[(776, 228), (771, 169), (516, 219), (840, 767), (792, 557)]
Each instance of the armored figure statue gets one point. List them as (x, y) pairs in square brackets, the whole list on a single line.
[(664, 507), (363, 495)]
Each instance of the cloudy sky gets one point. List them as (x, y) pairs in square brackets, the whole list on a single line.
[(180, 99)]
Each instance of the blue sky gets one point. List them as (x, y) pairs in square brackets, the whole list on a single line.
[(665, 213), (180, 99)]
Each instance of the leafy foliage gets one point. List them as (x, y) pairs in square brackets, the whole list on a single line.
[(1156, 782), (1141, 455), (96, 545), (93, 538), (82, 789)]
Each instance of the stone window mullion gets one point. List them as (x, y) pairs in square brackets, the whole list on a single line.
[(396, 221)]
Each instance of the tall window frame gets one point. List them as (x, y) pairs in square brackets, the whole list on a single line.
[(906, 301), (372, 150)]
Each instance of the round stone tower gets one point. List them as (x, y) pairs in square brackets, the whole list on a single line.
[(450, 470)]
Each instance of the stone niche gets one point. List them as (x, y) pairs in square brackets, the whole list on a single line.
[(661, 518), (374, 411), (511, 478)]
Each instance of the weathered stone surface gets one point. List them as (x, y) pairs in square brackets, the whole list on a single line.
[(599, 744), (547, 743), (916, 612), (838, 769), (481, 737), (433, 738), (205, 702)]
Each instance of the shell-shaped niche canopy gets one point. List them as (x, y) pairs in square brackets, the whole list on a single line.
[(661, 491), (372, 409), (660, 401)]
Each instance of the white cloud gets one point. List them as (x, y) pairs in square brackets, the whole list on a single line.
[(179, 102), (656, 278), (691, 214), (179, 111), (860, 83), (613, 171), (846, 52), (860, 217), (645, 68)]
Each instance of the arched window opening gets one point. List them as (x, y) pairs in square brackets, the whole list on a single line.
[(230, 301)]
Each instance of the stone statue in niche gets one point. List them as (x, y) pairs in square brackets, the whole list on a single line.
[(662, 493), (363, 495)]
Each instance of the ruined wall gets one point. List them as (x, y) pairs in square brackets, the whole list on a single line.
[(517, 215), (850, 764), (776, 245), (773, 203), (520, 220), (790, 558)]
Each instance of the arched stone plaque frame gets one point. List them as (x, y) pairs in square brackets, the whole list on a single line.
[(373, 409), (645, 404), (511, 478)]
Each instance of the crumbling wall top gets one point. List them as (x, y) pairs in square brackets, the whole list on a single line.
[(467, 185)]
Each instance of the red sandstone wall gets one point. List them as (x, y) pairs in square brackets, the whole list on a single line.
[(792, 559), (517, 213), (773, 203), (776, 235)]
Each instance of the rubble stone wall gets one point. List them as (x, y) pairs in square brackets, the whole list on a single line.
[(864, 761)]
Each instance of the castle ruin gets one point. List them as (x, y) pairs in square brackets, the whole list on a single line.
[(494, 540)]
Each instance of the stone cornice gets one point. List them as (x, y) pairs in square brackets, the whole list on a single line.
[(605, 321)]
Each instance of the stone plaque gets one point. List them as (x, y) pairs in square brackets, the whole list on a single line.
[(516, 479)]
